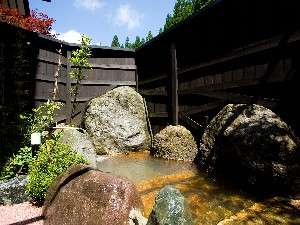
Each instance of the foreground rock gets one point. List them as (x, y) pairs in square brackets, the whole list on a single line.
[(12, 191), (252, 144), (116, 122), (84, 196), (175, 142), (169, 208), (80, 143)]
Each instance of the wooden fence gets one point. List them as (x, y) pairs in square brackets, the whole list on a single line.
[(190, 72), (21, 5), (28, 62)]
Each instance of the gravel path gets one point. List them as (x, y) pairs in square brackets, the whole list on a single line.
[(21, 214)]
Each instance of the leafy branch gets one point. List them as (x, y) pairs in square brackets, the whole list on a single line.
[(80, 61)]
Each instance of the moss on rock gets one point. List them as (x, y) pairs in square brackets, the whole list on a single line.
[(251, 144), (175, 142), (116, 122)]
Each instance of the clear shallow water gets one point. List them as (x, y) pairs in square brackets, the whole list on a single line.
[(209, 202)]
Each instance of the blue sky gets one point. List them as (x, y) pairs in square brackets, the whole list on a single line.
[(102, 19)]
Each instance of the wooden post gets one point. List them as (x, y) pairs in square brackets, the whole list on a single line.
[(68, 87), (174, 85)]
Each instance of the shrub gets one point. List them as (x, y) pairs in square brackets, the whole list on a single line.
[(40, 119), (18, 164), (53, 159)]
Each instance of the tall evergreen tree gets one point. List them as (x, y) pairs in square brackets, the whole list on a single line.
[(127, 43), (199, 4), (149, 36), (115, 42), (137, 42), (184, 9)]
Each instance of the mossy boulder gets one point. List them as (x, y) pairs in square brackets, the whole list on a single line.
[(175, 142), (169, 208), (116, 122), (83, 195), (250, 143), (80, 143)]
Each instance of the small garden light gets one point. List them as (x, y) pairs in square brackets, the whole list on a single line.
[(36, 138)]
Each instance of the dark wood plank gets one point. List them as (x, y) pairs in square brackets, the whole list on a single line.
[(202, 108), (159, 115), (104, 82), (113, 66), (174, 85), (153, 79), (21, 8), (12, 4), (5, 3), (68, 87)]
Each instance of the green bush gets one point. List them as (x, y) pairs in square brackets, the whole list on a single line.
[(39, 120), (53, 159), (18, 164)]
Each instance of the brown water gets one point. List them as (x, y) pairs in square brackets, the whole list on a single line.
[(209, 202)]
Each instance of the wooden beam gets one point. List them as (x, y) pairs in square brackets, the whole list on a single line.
[(113, 66), (104, 82), (93, 65), (159, 115), (153, 79), (202, 108), (174, 85)]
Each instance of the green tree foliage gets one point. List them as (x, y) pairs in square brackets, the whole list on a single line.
[(52, 160), (137, 42), (184, 9), (41, 119), (115, 42), (149, 36), (18, 164), (127, 43), (80, 60), (199, 4)]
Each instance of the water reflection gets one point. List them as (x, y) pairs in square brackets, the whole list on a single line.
[(210, 203)]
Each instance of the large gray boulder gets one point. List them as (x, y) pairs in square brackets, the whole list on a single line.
[(12, 191), (252, 144), (116, 122), (175, 142), (80, 143), (85, 196), (169, 208)]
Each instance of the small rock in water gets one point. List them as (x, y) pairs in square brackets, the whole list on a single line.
[(169, 208), (12, 191)]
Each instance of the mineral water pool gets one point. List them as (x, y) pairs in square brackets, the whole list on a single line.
[(208, 202)]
